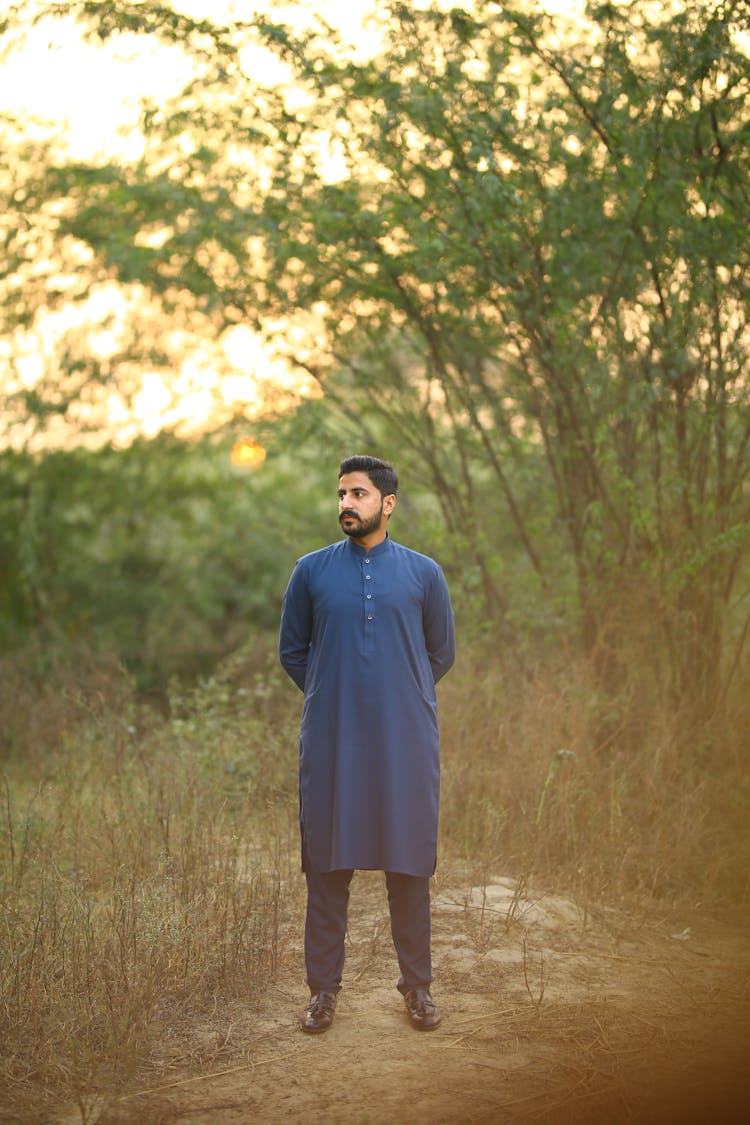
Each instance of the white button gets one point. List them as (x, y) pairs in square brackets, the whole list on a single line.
[(368, 577), (369, 596), (367, 560), (369, 617)]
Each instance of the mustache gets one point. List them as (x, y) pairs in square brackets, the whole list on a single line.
[(348, 512)]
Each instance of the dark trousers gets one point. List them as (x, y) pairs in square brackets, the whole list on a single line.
[(325, 928)]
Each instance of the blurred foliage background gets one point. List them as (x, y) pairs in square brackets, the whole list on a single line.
[(507, 251)]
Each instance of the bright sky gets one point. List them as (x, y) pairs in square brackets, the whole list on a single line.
[(93, 90), (89, 96)]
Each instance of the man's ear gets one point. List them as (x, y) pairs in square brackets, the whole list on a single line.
[(389, 503)]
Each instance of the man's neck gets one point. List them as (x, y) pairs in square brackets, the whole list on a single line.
[(373, 540)]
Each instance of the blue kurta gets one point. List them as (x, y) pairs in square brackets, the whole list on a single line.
[(366, 635)]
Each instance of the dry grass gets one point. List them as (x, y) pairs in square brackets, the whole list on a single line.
[(149, 864), (144, 871), (608, 796)]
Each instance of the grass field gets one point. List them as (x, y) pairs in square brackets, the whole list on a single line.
[(150, 866)]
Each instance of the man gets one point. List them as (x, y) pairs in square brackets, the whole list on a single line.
[(366, 632)]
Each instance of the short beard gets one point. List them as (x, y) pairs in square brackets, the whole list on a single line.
[(360, 528)]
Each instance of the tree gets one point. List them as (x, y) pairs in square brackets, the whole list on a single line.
[(558, 232), (163, 556), (529, 262)]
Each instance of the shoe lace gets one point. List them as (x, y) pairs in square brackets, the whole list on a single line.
[(323, 1002), (421, 1003)]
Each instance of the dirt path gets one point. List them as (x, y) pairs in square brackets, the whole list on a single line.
[(548, 1017)]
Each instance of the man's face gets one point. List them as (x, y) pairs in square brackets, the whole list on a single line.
[(362, 510)]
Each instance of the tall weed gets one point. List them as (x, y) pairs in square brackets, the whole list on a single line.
[(149, 862), (544, 774), (148, 870)]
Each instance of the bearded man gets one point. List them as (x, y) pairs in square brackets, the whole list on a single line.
[(367, 630)]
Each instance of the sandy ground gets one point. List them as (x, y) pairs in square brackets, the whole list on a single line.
[(549, 1015)]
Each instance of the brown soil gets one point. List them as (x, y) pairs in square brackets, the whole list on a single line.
[(550, 1015)]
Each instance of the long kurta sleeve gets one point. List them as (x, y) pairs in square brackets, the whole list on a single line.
[(439, 628), (296, 628)]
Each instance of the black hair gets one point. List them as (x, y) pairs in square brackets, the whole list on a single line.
[(381, 473)]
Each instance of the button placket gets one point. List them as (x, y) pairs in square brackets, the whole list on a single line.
[(368, 595)]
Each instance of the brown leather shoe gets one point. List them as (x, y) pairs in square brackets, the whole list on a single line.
[(421, 1009), (318, 1015)]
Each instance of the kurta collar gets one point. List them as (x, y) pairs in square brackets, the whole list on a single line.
[(377, 550)]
